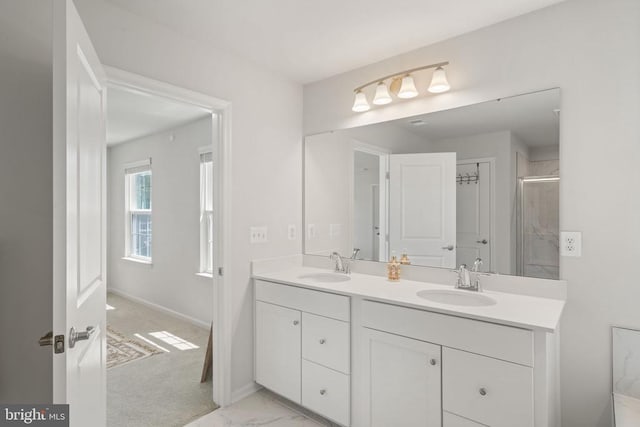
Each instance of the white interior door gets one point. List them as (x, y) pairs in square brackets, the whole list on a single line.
[(422, 209), (474, 215), (79, 169)]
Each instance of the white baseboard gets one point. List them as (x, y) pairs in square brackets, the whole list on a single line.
[(244, 391), (192, 320)]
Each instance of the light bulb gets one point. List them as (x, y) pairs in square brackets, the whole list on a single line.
[(439, 81), (382, 95), (407, 88), (360, 103)]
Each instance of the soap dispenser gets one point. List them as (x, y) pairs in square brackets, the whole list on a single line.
[(393, 268)]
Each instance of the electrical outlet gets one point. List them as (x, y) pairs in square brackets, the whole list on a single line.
[(258, 235), (311, 231), (335, 230), (571, 243), (291, 232)]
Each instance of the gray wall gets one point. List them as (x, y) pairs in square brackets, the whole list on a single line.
[(25, 200), (171, 280), (588, 48)]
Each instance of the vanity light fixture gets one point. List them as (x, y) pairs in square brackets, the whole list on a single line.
[(360, 104), (382, 95), (402, 85)]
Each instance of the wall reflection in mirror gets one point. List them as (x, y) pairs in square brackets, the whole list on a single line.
[(445, 188)]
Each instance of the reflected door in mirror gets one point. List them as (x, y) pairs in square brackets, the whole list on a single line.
[(422, 209)]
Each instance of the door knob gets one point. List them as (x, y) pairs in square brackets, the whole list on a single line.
[(75, 336), (433, 362), (448, 248), (322, 341), (295, 322), (483, 391), (483, 241)]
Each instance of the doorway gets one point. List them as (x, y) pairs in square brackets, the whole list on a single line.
[(165, 207)]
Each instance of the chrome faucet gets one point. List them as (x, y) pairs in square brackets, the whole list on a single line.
[(343, 265), (355, 253), (464, 277)]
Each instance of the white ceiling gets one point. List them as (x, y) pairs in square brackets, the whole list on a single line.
[(132, 114), (533, 118), (311, 40)]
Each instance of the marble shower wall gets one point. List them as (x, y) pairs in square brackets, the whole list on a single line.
[(626, 362)]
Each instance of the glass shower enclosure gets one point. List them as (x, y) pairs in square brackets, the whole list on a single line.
[(538, 227)]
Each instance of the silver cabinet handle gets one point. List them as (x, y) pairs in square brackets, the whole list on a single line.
[(448, 248), (433, 362), (322, 341), (75, 336), (483, 241), (323, 392), (483, 391), (295, 322)]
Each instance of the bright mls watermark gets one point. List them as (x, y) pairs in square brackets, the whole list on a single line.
[(34, 415)]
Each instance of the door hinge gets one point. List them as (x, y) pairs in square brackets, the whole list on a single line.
[(220, 271)]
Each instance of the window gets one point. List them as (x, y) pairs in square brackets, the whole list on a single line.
[(206, 212), (138, 211)]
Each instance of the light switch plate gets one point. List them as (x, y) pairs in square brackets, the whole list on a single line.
[(571, 243), (291, 232), (258, 235)]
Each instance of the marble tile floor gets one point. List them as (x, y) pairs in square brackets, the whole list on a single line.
[(262, 408)]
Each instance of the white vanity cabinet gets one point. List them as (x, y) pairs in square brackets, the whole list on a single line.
[(303, 347), (363, 362), (478, 373)]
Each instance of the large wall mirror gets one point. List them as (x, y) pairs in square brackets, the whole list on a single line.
[(445, 188)]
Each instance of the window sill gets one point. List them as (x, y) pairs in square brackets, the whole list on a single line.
[(205, 275), (137, 260)]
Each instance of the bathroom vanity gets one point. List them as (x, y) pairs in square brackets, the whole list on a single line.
[(363, 351)]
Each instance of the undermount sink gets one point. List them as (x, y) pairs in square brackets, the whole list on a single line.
[(465, 298), (325, 277)]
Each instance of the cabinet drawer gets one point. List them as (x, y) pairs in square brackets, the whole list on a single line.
[(486, 390), (321, 303), (452, 420), (326, 392), (501, 342), (326, 342)]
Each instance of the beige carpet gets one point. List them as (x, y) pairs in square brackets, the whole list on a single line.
[(163, 390), (122, 350)]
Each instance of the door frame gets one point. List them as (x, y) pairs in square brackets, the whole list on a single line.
[(492, 203), (222, 301), (383, 211)]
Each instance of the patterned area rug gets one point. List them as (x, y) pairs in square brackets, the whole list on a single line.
[(122, 350)]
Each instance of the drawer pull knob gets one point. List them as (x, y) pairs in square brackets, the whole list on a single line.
[(483, 391), (433, 362), (322, 341), (323, 392), (295, 322)]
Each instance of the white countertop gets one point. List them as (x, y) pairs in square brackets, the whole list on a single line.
[(510, 309)]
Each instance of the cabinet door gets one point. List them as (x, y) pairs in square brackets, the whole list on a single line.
[(403, 379), (278, 341)]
